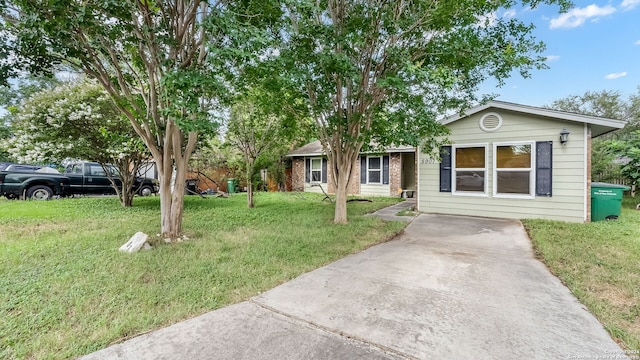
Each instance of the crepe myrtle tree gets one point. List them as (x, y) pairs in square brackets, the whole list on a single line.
[(5, 132), (163, 63), (382, 72), (260, 133), (11, 96), (80, 121)]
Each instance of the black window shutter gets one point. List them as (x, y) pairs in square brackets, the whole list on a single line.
[(324, 171), (307, 170), (544, 156), (445, 169), (385, 169), (363, 169)]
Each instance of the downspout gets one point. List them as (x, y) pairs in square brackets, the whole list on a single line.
[(417, 175), (587, 173)]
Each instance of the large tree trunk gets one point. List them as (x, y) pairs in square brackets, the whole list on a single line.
[(172, 202), (340, 215), (165, 171), (341, 175)]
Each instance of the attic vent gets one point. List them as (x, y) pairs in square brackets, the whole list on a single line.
[(490, 122)]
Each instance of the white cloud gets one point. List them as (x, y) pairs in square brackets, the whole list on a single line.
[(577, 16), (509, 13), (637, 42), (629, 4), (553, 57), (616, 75)]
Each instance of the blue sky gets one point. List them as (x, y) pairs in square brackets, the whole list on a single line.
[(594, 46)]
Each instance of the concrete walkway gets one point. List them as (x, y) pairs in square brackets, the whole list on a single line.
[(389, 213), (449, 288)]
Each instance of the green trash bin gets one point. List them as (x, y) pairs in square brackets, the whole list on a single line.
[(606, 201), (231, 185)]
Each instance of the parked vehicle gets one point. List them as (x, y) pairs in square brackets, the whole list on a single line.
[(33, 185), (22, 167), (79, 178), (91, 178), (3, 165)]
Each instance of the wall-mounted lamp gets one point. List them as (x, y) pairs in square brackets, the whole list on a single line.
[(564, 136)]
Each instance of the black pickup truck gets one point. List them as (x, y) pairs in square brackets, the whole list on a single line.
[(79, 178), (33, 185), (91, 178)]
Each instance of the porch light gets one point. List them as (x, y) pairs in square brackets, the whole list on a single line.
[(564, 136)]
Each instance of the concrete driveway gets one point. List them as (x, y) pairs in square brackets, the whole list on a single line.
[(450, 288)]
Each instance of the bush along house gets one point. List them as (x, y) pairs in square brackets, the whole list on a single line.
[(390, 172), (513, 161)]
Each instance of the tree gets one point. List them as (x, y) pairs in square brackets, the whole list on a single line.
[(5, 133), (382, 72), (609, 104), (630, 149), (12, 95), (606, 103), (257, 132), (156, 59), (77, 120)]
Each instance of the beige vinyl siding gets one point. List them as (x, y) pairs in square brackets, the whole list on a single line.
[(375, 190), (568, 186)]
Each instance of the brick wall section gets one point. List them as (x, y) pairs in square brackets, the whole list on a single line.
[(297, 174), (354, 186), (395, 173)]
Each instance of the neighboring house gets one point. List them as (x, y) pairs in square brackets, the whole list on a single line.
[(506, 160), (386, 173)]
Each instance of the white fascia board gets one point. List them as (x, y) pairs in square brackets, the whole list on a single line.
[(560, 115)]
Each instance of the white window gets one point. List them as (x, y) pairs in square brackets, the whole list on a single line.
[(316, 170), (374, 170), (513, 169), (469, 169)]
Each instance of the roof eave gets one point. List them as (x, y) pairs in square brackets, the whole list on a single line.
[(560, 115)]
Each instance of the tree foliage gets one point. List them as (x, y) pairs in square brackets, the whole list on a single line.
[(384, 71), (606, 103), (629, 149), (5, 133), (261, 135), (609, 104), (11, 95), (79, 121)]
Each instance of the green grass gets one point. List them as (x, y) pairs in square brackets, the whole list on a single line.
[(66, 290), (600, 263), (407, 212)]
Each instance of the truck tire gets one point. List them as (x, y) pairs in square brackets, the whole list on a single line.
[(145, 191), (40, 192)]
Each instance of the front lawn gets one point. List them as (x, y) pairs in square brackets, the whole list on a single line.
[(600, 263), (66, 290)]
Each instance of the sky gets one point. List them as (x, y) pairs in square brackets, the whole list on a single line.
[(594, 46)]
